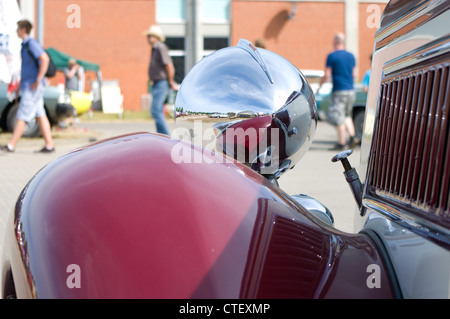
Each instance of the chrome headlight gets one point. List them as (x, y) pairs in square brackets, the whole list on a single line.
[(249, 103)]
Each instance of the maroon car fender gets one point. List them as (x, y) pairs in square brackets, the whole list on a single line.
[(122, 219)]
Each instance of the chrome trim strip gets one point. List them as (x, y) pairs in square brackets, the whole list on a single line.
[(418, 56), (315, 207), (250, 48), (428, 10), (422, 227)]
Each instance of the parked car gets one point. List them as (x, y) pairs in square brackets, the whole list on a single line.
[(56, 103), (115, 231), (323, 99)]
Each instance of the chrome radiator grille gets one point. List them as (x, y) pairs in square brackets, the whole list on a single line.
[(410, 157)]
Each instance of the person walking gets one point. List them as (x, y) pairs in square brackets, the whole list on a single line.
[(341, 67), (32, 84), (161, 74)]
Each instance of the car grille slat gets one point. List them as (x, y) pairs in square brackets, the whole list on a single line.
[(389, 131), (405, 114), (384, 108), (419, 132), (442, 197), (410, 154), (435, 140), (406, 136), (393, 147)]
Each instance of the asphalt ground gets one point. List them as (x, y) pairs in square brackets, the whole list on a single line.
[(315, 175)]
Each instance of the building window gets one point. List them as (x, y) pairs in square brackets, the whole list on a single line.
[(175, 43), (214, 43), (211, 44), (177, 52), (171, 11), (177, 20), (215, 11)]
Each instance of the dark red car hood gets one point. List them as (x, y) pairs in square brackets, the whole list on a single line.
[(141, 224)]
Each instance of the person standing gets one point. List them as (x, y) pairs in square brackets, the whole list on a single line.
[(32, 84), (366, 79), (161, 74), (72, 75), (341, 67)]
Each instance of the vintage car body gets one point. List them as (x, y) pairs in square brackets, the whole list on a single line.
[(405, 150), (154, 233), (148, 216)]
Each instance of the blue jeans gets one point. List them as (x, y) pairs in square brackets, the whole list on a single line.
[(160, 90)]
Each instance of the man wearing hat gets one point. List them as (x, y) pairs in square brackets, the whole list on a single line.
[(161, 73)]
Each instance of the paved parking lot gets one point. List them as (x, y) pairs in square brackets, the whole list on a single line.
[(315, 175)]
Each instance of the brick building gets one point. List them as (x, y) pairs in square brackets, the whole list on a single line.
[(110, 32)]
